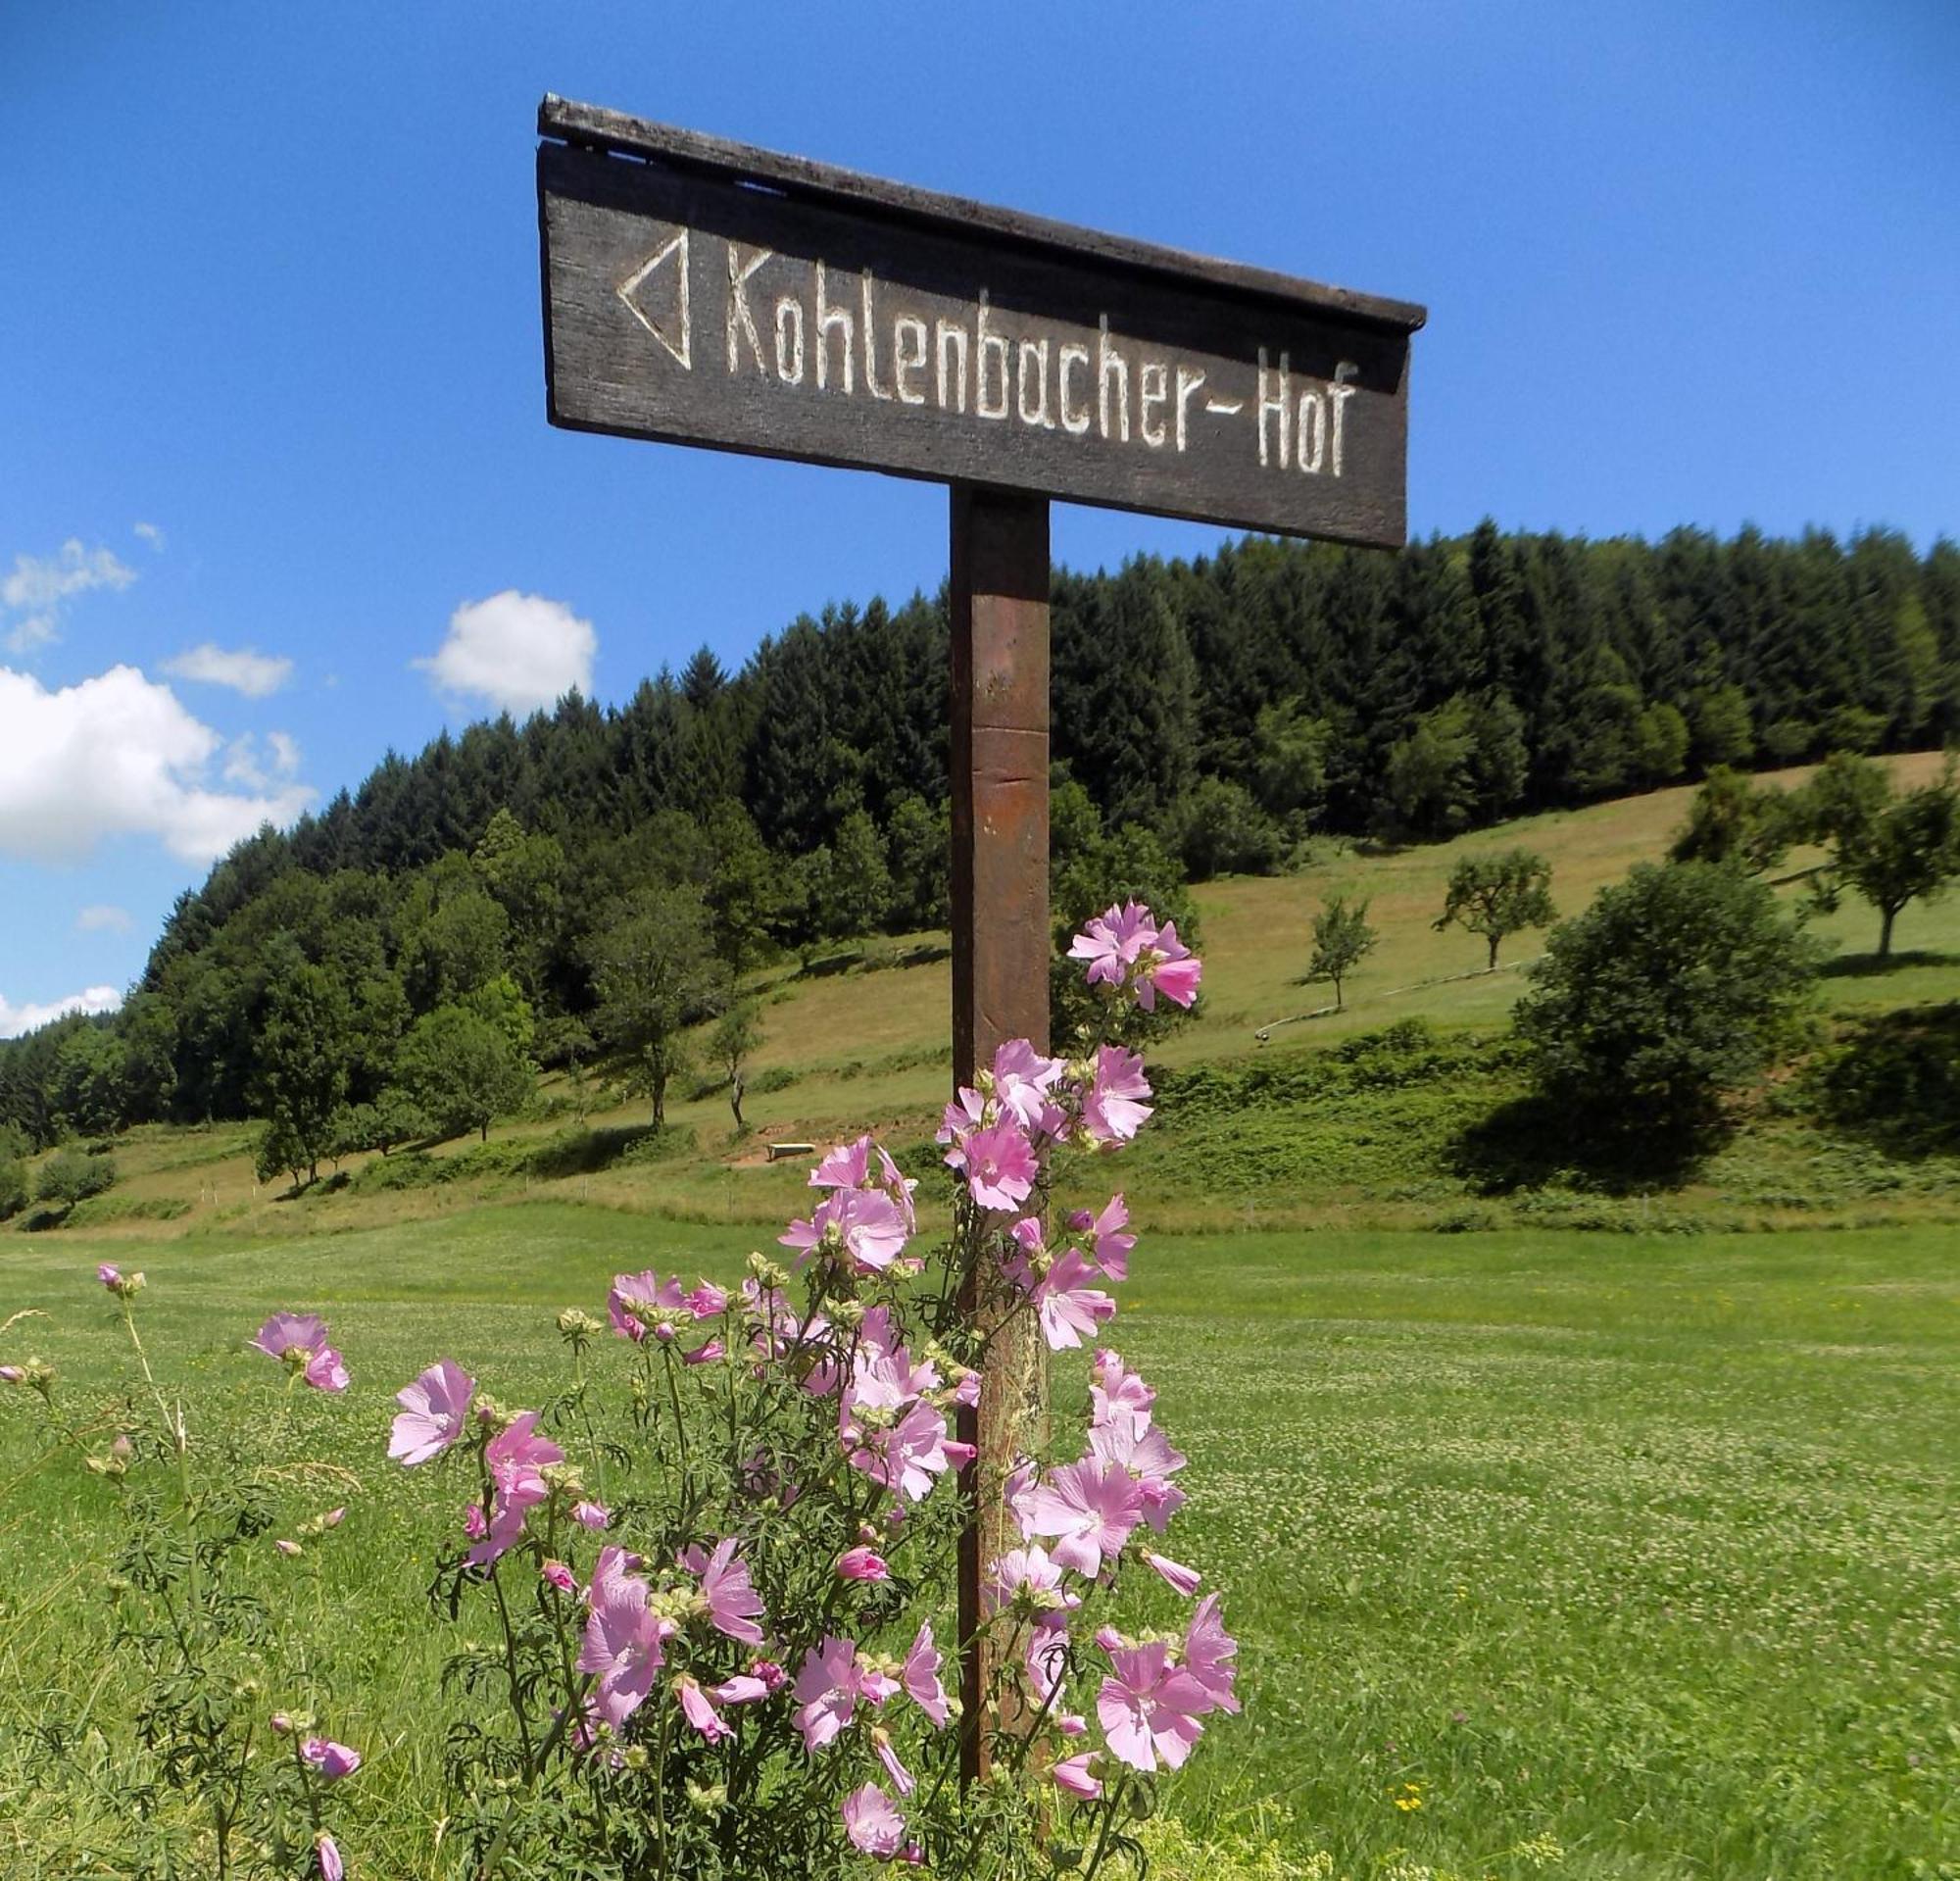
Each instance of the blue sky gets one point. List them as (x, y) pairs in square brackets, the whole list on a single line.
[(271, 411)]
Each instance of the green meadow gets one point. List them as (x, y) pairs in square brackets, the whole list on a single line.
[(1617, 1555), (1572, 1525)]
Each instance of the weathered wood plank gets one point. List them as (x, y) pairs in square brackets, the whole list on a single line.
[(804, 179), (1000, 632), (686, 307)]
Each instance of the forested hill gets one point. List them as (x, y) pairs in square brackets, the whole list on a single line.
[(1219, 709)]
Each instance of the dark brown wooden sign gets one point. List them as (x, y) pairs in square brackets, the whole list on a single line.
[(702, 292)]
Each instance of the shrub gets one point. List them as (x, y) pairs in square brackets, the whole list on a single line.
[(73, 1175), (1678, 985)]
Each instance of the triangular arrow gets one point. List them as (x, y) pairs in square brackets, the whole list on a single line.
[(632, 292)]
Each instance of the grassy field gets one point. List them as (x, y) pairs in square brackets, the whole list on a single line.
[(1568, 1530), (1628, 1556)]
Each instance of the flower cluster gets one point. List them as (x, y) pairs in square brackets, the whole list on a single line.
[(741, 1648)]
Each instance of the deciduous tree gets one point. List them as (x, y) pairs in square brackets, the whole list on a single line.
[(654, 972), (1342, 940), (1498, 895), (1675, 986)]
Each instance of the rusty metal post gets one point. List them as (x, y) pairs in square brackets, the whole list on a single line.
[(1000, 620)]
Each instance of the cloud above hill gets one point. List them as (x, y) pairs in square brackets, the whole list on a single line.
[(518, 652), (15, 1020), (36, 594), (244, 670), (117, 755)]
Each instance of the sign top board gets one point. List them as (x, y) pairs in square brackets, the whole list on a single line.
[(703, 293)]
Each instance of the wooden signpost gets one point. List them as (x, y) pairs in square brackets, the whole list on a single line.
[(702, 292)]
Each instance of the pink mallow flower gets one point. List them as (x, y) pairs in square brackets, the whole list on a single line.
[(1077, 1775), (1133, 1443), (327, 1852), (1112, 942), (1112, 1108), (1067, 1309), (1109, 1244), (872, 1821), (698, 1711), (1114, 1390), (434, 1411), (1089, 1508), (514, 1458), (333, 1761), (1208, 1653), (862, 1563), (299, 1341), (831, 1686), (1169, 968), (747, 1688), (558, 1576), (1001, 1166), (1029, 1576), (591, 1514), (865, 1227), (1149, 1707), (641, 1302), (920, 1676), (1024, 1082), (891, 1431), (733, 1604), (851, 1166), (625, 1641), (1184, 1580)]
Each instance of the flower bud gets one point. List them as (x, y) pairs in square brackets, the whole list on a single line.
[(707, 1798), (577, 1325), (634, 1756)]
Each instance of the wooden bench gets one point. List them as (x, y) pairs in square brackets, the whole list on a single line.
[(778, 1150)]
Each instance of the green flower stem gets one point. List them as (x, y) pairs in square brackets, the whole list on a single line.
[(179, 1437)]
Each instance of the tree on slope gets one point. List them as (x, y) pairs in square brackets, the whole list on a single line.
[(1677, 985), (654, 971), (303, 1060), (1733, 819), (1342, 940), (1498, 895), (461, 1071), (1890, 850)]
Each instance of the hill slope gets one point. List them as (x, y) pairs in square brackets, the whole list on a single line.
[(867, 1045)]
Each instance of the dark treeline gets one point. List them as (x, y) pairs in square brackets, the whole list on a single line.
[(1208, 716)]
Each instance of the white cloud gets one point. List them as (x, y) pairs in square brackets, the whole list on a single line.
[(99, 918), (517, 651), (151, 534), (117, 755), (41, 588), (15, 1020), (247, 671), (245, 765)]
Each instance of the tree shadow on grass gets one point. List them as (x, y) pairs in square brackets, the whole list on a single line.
[(587, 1151), (1534, 1141), (1871, 967), (1894, 1082)]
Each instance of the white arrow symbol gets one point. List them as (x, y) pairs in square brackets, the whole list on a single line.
[(629, 289)]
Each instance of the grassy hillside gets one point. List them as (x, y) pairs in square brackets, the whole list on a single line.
[(864, 1044)]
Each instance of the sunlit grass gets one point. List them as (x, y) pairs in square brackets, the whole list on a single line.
[(1636, 1549)]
